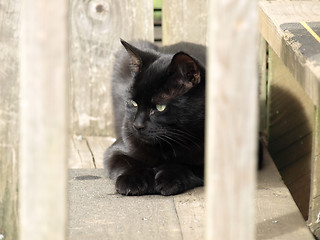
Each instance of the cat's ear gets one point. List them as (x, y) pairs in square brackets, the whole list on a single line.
[(184, 74), (186, 68), (135, 59)]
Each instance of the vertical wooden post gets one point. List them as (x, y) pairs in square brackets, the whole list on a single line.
[(96, 28), (9, 118), (231, 127), (44, 125)]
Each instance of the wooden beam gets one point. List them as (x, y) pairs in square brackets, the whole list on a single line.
[(290, 130), (44, 125), (282, 24), (272, 17), (96, 29), (184, 21), (9, 118), (231, 121)]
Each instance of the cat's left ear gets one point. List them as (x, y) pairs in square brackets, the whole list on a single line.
[(186, 67), (135, 59)]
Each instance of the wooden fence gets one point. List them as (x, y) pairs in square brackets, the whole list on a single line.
[(36, 110)]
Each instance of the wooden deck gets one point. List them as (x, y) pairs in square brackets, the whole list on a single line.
[(96, 211)]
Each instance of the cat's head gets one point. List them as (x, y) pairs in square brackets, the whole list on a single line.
[(165, 100)]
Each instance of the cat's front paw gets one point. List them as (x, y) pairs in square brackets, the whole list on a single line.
[(168, 183), (175, 179), (136, 182)]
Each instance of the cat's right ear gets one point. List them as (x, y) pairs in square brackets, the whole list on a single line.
[(135, 59)]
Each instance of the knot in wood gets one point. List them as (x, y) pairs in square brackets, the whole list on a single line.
[(98, 10)]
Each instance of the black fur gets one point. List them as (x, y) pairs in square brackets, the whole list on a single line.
[(158, 151)]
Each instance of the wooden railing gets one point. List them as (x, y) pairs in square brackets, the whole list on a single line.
[(62, 91)]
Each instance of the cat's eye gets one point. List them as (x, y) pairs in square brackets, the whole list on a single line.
[(133, 103), (161, 107)]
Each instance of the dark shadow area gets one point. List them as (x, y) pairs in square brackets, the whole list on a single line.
[(290, 143)]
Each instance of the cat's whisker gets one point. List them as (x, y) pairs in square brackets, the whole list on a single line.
[(185, 132), (183, 138), (162, 138), (176, 140)]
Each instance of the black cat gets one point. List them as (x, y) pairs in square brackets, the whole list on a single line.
[(159, 108)]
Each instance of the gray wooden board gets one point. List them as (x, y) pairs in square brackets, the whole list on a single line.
[(96, 211), (309, 46), (95, 30), (277, 216), (9, 117)]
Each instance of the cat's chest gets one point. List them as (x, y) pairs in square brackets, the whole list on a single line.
[(157, 155)]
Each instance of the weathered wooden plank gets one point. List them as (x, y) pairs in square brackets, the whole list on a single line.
[(82, 147), (9, 118), (97, 212), (262, 62), (190, 208), (314, 212), (74, 158), (272, 14), (232, 123), (44, 120), (96, 26), (184, 21), (290, 130), (277, 216), (98, 145)]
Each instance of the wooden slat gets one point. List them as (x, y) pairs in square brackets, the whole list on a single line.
[(305, 70), (98, 145), (9, 117), (74, 158), (314, 211), (290, 130), (81, 146), (96, 29), (274, 13), (97, 212), (44, 125), (277, 216), (231, 120), (184, 21), (262, 61), (190, 208)]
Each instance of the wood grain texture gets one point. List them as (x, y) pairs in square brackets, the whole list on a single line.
[(290, 130), (84, 156), (87, 152), (98, 145), (184, 21), (9, 118), (314, 212), (97, 212), (277, 216), (44, 120), (96, 29), (262, 63), (231, 120), (274, 13), (190, 208)]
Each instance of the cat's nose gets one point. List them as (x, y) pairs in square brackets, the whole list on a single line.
[(138, 126)]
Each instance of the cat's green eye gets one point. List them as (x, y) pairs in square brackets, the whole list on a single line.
[(133, 103), (160, 107)]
